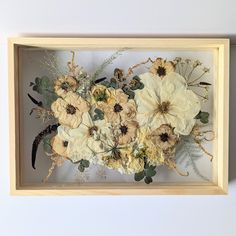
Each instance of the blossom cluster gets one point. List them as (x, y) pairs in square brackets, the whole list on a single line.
[(129, 125)]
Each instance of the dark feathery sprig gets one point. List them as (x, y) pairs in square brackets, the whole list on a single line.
[(38, 103), (39, 138)]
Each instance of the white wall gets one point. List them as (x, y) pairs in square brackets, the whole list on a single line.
[(122, 215)]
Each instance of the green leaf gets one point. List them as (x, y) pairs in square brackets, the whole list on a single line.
[(99, 114), (203, 117), (150, 172), (129, 92), (85, 163), (45, 87), (135, 83), (139, 176), (47, 145), (148, 180), (136, 78), (106, 83), (146, 165), (152, 167), (81, 168)]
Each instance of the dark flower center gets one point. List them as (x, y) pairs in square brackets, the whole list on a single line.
[(70, 109), (161, 71), (124, 129), (65, 143), (65, 86), (118, 108), (163, 107), (164, 137), (92, 129)]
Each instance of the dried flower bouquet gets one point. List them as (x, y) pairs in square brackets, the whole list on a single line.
[(130, 123)]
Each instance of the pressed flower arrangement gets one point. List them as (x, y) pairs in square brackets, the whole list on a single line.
[(140, 122), (131, 123)]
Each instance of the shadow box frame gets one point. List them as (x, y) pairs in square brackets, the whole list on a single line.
[(219, 184)]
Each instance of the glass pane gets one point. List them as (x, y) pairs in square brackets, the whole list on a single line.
[(157, 119)]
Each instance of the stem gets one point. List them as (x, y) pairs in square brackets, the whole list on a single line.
[(130, 70), (191, 82)]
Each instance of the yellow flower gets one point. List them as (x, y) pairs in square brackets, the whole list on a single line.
[(162, 67), (128, 131), (69, 110), (120, 108), (65, 84), (101, 94)]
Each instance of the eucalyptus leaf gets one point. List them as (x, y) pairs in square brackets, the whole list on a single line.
[(203, 117), (139, 176), (99, 114), (148, 180), (136, 83), (150, 172), (81, 168), (47, 145), (85, 163), (45, 87), (129, 92), (113, 83)]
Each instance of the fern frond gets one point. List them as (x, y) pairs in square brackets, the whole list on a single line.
[(188, 152)]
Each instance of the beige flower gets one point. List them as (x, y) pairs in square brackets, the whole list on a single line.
[(126, 164), (65, 84), (60, 146), (164, 137), (162, 67), (101, 94), (120, 108), (128, 131), (69, 110), (135, 165), (151, 151)]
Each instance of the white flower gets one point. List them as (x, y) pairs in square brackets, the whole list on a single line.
[(166, 101), (82, 141)]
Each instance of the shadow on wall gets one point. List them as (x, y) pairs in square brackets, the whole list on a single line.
[(232, 116)]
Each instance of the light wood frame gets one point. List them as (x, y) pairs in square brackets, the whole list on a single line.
[(221, 98)]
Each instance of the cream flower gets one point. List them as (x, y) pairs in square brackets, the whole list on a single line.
[(60, 145), (162, 67), (69, 110), (166, 101), (135, 165), (120, 108), (65, 84), (126, 164), (128, 131), (150, 150), (82, 141)]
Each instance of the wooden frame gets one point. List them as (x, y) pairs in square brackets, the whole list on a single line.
[(220, 170)]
